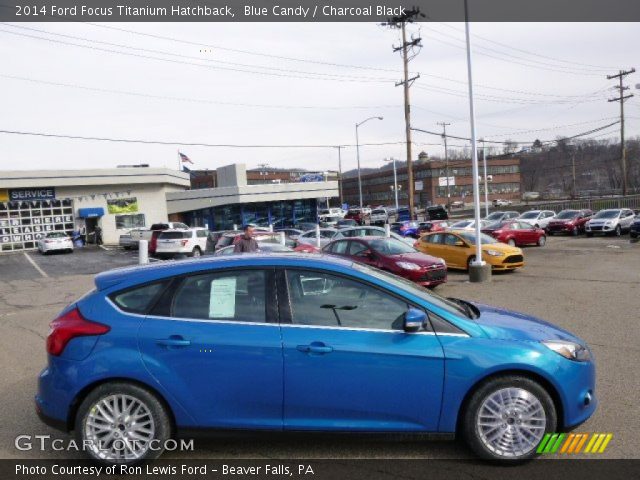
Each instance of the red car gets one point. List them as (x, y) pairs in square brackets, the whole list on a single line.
[(356, 214), (569, 221), (391, 255), (516, 233), (432, 226)]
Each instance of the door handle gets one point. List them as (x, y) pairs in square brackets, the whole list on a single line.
[(174, 341), (315, 348)]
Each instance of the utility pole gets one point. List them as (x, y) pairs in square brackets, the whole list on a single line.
[(340, 147), (446, 162), (573, 173), (621, 98), (486, 179), (406, 47)]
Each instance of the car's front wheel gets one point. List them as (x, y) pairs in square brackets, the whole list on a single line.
[(511, 242), (122, 423), (506, 418)]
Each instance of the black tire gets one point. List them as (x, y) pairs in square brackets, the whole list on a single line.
[(159, 414), (589, 234), (468, 425), (542, 241), (575, 232), (196, 252), (511, 242), (618, 231)]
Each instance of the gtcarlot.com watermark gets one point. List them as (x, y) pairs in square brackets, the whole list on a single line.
[(43, 443)]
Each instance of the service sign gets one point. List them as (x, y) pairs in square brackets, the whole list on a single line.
[(40, 193)]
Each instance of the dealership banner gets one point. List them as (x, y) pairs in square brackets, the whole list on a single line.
[(122, 205)]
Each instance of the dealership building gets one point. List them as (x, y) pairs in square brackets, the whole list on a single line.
[(33, 203), (235, 201)]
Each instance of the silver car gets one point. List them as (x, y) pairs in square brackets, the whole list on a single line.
[(309, 237), (55, 242), (613, 221)]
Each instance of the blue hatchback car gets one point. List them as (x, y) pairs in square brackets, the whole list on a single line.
[(299, 343)]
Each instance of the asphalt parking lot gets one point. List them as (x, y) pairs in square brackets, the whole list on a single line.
[(589, 286)]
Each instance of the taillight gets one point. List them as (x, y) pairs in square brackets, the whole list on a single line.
[(69, 326), (184, 242)]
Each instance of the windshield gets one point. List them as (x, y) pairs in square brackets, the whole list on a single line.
[(565, 214), (57, 235), (607, 214), (495, 216), (414, 289), (390, 246), (471, 238), (533, 214)]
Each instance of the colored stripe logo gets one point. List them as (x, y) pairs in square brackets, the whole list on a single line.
[(574, 443)]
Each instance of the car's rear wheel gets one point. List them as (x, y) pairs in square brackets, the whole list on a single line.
[(575, 231), (542, 241), (506, 418), (511, 242), (122, 423)]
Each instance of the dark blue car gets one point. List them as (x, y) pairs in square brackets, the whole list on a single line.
[(634, 231), (302, 343)]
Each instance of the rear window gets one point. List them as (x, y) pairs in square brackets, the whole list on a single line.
[(174, 235), (138, 300), (378, 212), (160, 226)]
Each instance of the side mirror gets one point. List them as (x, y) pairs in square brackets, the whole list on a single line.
[(414, 319)]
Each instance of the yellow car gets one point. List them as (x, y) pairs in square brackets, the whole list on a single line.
[(457, 248)]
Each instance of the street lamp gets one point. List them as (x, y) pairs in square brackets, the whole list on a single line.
[(358, 155), (395, 179)]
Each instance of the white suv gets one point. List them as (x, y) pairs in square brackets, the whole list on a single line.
[(191, 242), (379, 216), (537, 218), (614, 221)]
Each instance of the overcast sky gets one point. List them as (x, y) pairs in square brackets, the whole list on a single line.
[(544, 76)]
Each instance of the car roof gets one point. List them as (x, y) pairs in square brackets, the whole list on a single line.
[(129, 276)]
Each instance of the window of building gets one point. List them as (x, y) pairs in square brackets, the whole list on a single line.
[(130, 221)]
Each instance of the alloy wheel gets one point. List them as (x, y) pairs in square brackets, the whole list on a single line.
[(511, 422), (119, 428)]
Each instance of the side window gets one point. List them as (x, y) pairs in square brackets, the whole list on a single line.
[(223, 296), (357, 248), (437, 238), (340, 248), (327, 300), (201, 233), (450, 239), (138, 300), (181, 225)]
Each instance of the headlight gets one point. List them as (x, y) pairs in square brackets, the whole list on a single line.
[(408, 266), (570, 350), (494, 253)]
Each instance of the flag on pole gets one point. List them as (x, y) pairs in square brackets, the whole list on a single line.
[(184, 158)]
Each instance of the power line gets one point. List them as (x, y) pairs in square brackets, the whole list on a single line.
[(182, 62), (186, 144), (528, 52), (520, 142), (237, 50), (192, 100), (477, 52), (162, 52)]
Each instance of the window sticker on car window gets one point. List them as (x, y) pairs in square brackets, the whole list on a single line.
[(222, 298)]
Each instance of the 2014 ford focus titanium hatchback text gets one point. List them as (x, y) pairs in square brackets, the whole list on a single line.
[(303, 343)]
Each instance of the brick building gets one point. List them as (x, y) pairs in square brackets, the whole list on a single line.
[(430, 179)]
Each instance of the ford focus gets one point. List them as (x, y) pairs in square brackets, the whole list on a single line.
[(306, 344)]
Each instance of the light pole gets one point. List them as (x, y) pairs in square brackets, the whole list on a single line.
[(358, 155), (395, 178), (479, 271), (486, 186)]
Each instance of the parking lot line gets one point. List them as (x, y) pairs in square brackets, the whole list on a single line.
[(35, 265)]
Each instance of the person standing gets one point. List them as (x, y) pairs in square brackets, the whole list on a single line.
[(246, 243), (98, 235)]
